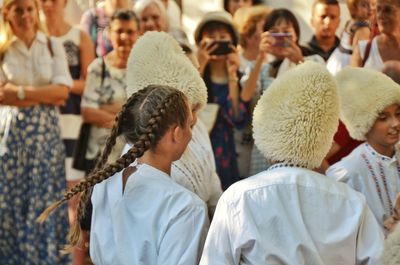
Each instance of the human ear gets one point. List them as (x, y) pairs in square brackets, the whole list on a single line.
[(312, 21), (177, 134), (4, 14)]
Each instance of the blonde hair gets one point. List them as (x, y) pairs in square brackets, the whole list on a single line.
[(246, 20), (395, 2), (6, 33), (352, 7)]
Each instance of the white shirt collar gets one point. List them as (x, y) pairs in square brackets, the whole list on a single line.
[(383, 158), (40, 36)]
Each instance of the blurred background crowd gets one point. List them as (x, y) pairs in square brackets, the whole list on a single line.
[(63, 65)]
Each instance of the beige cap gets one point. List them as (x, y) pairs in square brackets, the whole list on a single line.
[(216, 16)]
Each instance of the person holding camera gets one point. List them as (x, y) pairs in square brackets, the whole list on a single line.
[(250, 24), (279, 51), (216, 38)]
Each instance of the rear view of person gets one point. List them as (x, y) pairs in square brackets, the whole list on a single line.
[(290, 214), (144, 217), (157, 58)]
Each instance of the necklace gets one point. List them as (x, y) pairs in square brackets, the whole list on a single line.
[(384, 180), (279, 165)]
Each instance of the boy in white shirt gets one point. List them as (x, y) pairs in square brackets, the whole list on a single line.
[(370, 109), (290, 214)]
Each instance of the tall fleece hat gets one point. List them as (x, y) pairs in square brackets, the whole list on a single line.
[(157, 59), (363, 94), (295, 119), (391, 253)]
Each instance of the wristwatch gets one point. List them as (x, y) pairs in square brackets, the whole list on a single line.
[(21, 93)]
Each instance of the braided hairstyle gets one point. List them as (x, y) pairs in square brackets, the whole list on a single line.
[(144, 119)]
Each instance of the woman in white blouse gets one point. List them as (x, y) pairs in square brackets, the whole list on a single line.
[(384, 48), (34, 80)]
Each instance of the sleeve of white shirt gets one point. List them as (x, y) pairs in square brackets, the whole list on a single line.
[(183, 241), (342, 174), (338, 173), (370, 240), (61, 74), (214, 181), (219, 248), (216, 192)]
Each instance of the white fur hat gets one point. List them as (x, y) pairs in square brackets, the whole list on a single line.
[(391, 253), (157, 59), (295, 119), (363, 94)]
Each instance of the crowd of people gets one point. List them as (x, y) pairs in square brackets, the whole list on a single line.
[(247, 147)]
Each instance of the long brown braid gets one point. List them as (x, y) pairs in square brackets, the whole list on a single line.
[(143, 120)]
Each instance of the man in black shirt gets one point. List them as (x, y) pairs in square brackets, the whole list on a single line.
[(325, 21)]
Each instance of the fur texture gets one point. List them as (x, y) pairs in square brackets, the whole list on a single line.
[(295, 119), (157, 59), (363, 94), (391, 254)]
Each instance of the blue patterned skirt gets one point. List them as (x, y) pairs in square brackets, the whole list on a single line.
[(32, 176)]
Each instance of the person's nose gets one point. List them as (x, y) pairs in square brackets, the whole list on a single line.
[(150, 24), (123, 36), (395, 122), (327, 21)]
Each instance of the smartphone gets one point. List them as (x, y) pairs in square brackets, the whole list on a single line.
[(223, 48), (280, 39)]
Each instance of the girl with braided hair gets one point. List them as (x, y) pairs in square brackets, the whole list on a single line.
[(153, 220)]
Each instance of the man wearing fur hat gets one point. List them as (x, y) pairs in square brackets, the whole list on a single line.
[(290, 214), (370, 109)]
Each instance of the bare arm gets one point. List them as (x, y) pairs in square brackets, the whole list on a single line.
[(52, 94), (87, 56), (356, 59), (114, 108), (233, 63), (251, 83), (392, 69), (361, 34), (98, 117)]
